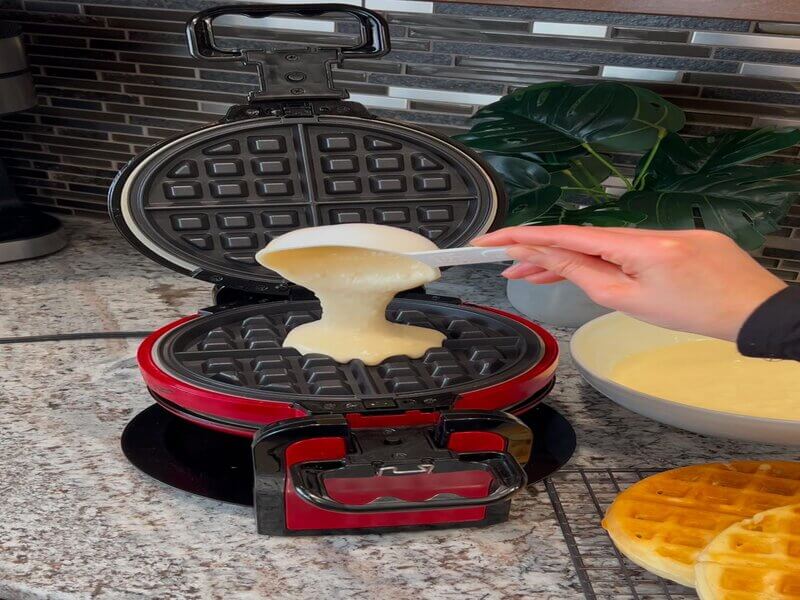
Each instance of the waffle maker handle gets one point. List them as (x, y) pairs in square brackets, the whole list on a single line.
[(502, 466), (297, 73), (374, 29), (469, 463)]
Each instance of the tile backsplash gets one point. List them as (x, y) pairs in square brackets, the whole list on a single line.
[(113, 78)]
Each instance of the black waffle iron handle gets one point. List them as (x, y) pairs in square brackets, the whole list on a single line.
[(316, 474), (374, 29), (292, 73)]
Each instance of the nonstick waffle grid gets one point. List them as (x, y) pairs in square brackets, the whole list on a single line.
[(580, 498), (215, 197), (239, 351)]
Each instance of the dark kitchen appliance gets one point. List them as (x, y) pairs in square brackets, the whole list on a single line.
[(25, 231), (434, 441)]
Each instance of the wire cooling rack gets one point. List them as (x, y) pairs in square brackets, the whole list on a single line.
[(580, 498)]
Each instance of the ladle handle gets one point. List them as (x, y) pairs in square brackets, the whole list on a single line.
[(469, 255)]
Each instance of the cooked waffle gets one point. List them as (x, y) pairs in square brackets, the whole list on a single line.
[(663, 522), (754, 559)]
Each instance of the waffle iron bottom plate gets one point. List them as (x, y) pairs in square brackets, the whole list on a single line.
[(220, 466), (490, 359)]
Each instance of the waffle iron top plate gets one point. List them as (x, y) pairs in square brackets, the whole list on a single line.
[(205, 202)]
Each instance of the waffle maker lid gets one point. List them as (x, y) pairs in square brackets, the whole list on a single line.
[(297, 155)]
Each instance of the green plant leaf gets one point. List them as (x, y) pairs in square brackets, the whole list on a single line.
[(568, 169), (528, 170), (582, 171), (529, 206), (513, 133), (527, 184), (558, 116), (519, 175), (677, 157), (760, 184), (703, 178), (745, 221), (607, 215), (553, 161), (735, 147)]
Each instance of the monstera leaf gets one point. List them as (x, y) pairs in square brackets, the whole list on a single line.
[(576, 174), (743, 220), (744, 203), (533, 191), (761, 184), (677, 157), (581, 172), (607, 215), (704, 178), (519, 174), (527, 185), (511, 133), (552, 161), (553, 117), (526, 208)]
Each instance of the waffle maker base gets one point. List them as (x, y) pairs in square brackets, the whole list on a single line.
[(229, 393), (215, 465)]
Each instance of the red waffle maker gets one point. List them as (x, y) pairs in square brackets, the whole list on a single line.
[(434, 441)]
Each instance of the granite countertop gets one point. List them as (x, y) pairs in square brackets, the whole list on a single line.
[(78, 521)]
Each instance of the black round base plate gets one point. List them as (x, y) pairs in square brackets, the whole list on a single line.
[(220, 466)]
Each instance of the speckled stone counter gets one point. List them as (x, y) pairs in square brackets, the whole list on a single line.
[(78, 521)]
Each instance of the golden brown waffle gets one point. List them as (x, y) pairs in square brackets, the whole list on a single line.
[(663, 522), (754, 559)]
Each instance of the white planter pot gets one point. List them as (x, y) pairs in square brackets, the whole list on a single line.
[(561, 304)]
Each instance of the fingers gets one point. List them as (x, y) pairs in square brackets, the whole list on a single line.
[(521, 270), (531, 272), (522, 253), (551, 231), (544, 277), (588, 272), (607, 242)]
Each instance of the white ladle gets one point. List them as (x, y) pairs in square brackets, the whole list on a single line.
[(383, 238)]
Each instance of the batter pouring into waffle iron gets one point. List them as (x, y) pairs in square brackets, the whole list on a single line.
[(336, 268)]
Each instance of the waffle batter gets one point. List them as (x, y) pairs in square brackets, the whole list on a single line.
[(354, 286), (712, 374)]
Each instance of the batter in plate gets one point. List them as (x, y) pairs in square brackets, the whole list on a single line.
[(354, 286), (713, 374)]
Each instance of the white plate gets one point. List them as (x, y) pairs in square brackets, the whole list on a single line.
[(600, 344)]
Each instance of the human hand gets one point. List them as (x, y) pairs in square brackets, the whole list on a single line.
[(696, 281)]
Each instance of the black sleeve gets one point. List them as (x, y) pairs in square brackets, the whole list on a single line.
[(773, 330)]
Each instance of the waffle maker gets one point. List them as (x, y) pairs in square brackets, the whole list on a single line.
[(315, 445)]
